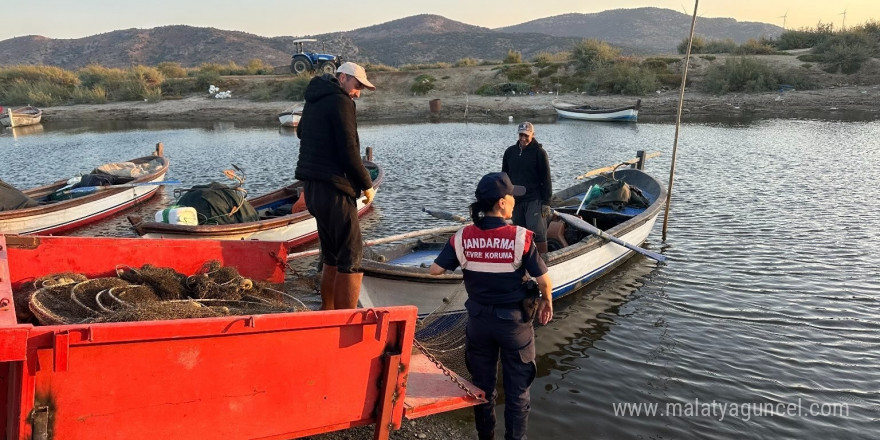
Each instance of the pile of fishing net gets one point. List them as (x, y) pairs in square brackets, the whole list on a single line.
[(149, 293)]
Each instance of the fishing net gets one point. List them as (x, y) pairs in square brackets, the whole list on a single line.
[(22, 297), (441, 333), (152, 293)]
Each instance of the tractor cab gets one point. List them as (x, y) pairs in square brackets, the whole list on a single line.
[(304, 61)]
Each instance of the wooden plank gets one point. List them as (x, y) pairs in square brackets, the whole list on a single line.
[(430, 391)]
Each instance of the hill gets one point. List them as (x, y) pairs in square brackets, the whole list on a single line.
[(416, 39), (647, 29)]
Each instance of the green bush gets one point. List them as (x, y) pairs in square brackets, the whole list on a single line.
[(509, 88), (206, 78), (548, 70), (82, 95), (719, 46), (754, 47), (626, 79), (592, 54), (810, 58), (513, 57), (94, 75), (709, 58), (422, 84), (516, 72), (846, 52), (295, 89), (747, 74), (698, 45), (43, 93), (181, 86), (804, 38), (655, 64), (438, 65)]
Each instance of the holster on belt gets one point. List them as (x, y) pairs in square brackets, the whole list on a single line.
[(529, 304)]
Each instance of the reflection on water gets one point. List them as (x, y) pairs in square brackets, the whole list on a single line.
[(769, 296)]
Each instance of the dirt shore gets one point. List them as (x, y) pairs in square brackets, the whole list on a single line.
[(661, 106)]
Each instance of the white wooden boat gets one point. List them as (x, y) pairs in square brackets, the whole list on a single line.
[(19, 117), (399, 275), (51, 217), (283, 217), (290, 118), (588, 113)]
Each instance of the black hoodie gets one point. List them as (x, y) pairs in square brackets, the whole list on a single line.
[(530, 168), (329, 147)]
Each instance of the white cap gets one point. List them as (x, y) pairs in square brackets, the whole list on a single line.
[(356, 71)]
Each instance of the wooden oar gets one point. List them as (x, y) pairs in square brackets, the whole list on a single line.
[(443, 215), (579, 223), (89, 189), (389, 239), (610, 168)]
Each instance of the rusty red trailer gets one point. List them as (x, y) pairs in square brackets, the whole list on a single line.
[(241, 377)]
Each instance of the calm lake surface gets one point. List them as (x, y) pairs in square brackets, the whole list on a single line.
[(764, 323)]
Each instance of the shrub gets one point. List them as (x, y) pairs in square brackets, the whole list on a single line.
[(206, 78), (698, 45), (503, 89), (548, 70), (654, 64), (513, 57), (32, 74), (438, 65), (94, 74), (719, 46), (516, 73), (466, 62), (294, 89), (845, 52), (625, 79), (422, 84), (82, 95), (709, 58), (379, 67), (40, 93), (804, 38), (592, 54), (746, 74), (180, 86), (256, 66), (172, 70), (754, 47)]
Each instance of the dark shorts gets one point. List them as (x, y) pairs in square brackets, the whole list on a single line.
[(338, 228), (528, 215)]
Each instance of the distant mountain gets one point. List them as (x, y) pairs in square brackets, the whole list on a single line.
[(415, 39), (648, 29)]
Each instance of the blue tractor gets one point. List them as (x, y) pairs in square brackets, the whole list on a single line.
[(303, 61)]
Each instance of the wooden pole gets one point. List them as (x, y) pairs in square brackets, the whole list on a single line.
[(687, 59)]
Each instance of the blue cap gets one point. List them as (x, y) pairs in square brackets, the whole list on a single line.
[(494, 186)]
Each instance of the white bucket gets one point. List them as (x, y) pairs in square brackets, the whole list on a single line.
[(178, 215)]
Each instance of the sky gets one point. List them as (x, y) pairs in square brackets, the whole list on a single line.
[(270, 18)]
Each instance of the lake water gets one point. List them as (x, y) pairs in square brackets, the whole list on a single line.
[(764, 323)]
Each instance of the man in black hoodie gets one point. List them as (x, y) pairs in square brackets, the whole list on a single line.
[(527, 165), (330, 166)]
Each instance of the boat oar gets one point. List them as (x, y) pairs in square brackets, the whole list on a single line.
[(91, 189), (579, 223), (584, 200), (389, 239)]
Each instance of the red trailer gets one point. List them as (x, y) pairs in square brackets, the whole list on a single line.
[(244, 377)]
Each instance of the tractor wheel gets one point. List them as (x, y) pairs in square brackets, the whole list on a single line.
[(300, 65), (328, 67)]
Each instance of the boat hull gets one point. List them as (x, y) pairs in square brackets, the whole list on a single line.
[(569, 268), (69, 214), (294, 229), (628, 115), (21, 117)]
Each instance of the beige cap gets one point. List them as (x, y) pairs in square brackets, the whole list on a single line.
[(526, 127), (356, 71)]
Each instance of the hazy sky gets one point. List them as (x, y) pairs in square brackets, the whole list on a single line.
[(76, 19)]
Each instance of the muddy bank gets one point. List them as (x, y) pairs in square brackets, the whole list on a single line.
[(858, 102)]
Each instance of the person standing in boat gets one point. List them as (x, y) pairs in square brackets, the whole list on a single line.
[(330, 165), (527, 164), (495, 258)]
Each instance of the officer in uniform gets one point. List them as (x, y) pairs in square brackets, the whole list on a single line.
[(495, 258)]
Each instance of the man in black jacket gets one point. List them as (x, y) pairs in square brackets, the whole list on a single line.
[(527, 165), (334, 175)]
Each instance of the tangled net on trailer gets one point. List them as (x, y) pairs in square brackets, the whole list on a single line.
[(152, 293)]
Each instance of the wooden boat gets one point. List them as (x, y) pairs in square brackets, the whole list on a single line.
[(588, 113), (19, 117), (290, 118), (57, 216), (208, 377), (294, 227), (399, 274)]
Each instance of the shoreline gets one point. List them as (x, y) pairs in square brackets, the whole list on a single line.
[(846, 102)]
